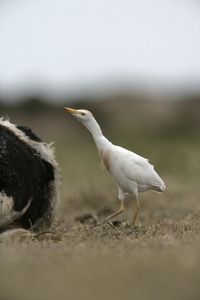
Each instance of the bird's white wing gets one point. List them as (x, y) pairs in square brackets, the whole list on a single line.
[(139, 170)]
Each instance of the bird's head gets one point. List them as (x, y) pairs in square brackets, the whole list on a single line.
[(82, 115), (87, 119)]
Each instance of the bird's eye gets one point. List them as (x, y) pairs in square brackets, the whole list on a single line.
[(83, 114)]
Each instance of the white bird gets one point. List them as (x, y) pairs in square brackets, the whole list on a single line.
[(131, 172)]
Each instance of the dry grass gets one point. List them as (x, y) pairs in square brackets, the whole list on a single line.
[(158, 260)]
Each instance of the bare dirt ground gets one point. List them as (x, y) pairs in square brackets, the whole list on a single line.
[(160, 259)]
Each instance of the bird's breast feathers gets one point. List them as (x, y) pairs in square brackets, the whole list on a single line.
[(106, 158)]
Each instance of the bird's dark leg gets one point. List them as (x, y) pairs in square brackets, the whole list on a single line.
[(137, 208), (107, 220)]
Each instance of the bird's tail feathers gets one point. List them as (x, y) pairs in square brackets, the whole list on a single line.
[(159, 188)]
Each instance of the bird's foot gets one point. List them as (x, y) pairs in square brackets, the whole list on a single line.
[(103, 224)]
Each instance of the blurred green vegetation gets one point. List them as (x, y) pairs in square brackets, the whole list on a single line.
[(122, 115)]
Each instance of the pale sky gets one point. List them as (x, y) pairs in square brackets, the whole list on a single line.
[(74, 46)]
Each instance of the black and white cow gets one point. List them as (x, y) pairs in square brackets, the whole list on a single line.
[(29, 179)]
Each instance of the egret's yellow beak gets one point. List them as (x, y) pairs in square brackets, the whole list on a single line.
[(72, 111)]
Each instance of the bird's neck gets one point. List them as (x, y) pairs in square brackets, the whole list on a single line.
[(94, 128), (97, 134)]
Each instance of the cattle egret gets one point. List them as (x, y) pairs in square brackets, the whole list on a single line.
[(29, 179), (131, 172)]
